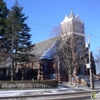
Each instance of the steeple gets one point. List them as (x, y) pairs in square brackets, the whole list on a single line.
[(72, 14)]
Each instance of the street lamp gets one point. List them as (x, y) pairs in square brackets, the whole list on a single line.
[(89, 64)]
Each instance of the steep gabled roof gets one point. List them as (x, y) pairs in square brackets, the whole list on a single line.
[(72, 15), (41, 49)]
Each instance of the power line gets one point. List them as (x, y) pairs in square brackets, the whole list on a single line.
[(96, 36), (40, 29), (40, 24), (95, 39), (50, 26)]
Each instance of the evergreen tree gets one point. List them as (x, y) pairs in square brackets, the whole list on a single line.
[(18, 35), (18, 29), (3, 24)]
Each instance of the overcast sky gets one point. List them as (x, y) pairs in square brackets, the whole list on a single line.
[(45, 14)]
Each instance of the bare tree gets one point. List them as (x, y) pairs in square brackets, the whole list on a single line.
[(56, 31), (70, 51), (98, 57), (97, 62)]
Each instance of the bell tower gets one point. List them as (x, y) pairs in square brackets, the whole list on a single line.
[(73, 27), (72, 24)]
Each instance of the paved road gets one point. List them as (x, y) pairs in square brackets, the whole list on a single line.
[(78, 98), (47, 94), (53, 98), (56, 96), (74, 98)]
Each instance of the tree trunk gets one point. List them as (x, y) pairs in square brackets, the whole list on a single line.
[(12, 70), (70, 79)]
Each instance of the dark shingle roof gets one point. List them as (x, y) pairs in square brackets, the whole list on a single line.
[(41, 47)]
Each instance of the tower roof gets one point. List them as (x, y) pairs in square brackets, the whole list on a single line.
[(72, 15)]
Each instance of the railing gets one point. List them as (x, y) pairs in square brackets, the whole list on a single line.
[(79, 80), (96, 77)]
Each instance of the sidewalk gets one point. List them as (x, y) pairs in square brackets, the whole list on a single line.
[(79, 86)]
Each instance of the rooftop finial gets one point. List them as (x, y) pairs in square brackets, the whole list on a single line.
[(77, 15), (71, 10)]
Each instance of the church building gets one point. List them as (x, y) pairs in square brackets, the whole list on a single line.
[(50, 61), (46, 64)]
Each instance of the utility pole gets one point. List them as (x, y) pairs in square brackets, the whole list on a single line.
[(90, 67)]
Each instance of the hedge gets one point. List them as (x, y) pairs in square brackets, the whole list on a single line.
[(28, 84)]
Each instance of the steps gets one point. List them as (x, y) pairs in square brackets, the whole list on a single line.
[(87, 80)]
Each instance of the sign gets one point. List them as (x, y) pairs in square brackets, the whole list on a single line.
[(88, 65)]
